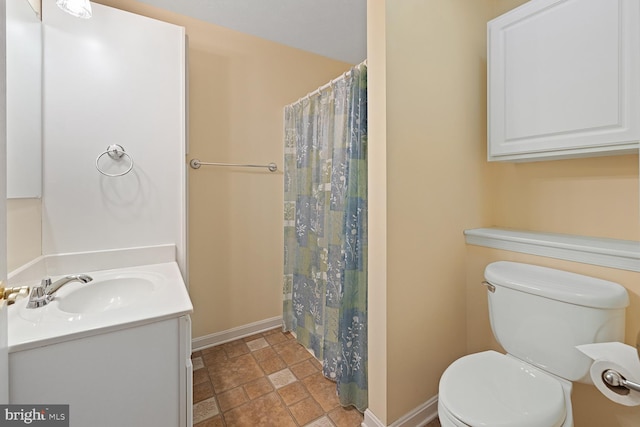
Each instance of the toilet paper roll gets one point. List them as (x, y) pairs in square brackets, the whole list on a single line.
[(621, 358), (632, 398)]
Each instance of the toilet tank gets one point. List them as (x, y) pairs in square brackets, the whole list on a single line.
[(539, 315)]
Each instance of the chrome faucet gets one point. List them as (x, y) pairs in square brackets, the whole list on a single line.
[(42, 294)]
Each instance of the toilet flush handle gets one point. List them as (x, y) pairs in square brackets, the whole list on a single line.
[(489, 286)]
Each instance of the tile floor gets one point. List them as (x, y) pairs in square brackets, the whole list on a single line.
[(265, 380)]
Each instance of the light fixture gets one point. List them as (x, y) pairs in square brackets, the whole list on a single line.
[(78, 8)]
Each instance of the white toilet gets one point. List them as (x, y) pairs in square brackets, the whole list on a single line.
[(538, 315)]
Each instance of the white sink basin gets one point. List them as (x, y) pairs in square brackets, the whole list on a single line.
[(113, 300), (106, 294)]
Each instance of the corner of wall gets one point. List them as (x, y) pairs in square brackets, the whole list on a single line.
[(377, 160)]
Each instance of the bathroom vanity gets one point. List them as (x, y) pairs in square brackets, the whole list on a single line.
[(117, 350), (138, 376)]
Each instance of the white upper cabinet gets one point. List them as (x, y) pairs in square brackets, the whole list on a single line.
[(564, 80)]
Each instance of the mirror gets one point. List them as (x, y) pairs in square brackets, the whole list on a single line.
[(24, 106)]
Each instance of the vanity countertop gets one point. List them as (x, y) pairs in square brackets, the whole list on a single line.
[(115, 299)]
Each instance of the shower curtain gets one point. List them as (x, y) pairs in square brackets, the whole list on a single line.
[(325, 230)]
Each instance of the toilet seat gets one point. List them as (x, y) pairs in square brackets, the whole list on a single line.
[(447, 419), (497, 390)]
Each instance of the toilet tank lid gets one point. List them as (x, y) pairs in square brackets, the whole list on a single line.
[(557, 284)]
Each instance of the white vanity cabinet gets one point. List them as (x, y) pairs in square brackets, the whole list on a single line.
[(136, 376), (564, 80)]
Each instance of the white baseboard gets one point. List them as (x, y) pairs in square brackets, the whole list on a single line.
[(232, 334), (418, 417), (370, 420)]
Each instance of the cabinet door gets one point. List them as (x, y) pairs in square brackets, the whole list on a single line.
[(564, 79)]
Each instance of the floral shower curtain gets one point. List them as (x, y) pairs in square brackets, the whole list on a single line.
[(325, 230)]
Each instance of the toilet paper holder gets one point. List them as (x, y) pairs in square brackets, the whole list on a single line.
[(614, 379)]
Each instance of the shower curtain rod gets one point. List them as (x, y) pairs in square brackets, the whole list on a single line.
[(326, 85), (195, 164), (331, 82)]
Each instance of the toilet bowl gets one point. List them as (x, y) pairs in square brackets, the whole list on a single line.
[(538, 315), (497, 390)]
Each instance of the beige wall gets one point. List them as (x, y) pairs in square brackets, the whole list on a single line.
[(238, 86), (377, 204), (432, 96), (590, 197), (24, 231), (435, 178)]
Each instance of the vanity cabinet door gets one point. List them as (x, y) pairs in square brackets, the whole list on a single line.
[(563, 80)]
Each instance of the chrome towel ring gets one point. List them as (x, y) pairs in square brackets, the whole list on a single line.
[(115, 151)]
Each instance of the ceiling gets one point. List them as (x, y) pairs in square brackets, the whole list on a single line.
[(331, 28)]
